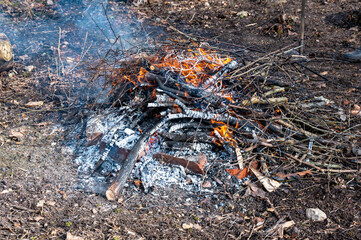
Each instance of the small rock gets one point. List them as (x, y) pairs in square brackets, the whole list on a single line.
[(315, 214), (50, 2)]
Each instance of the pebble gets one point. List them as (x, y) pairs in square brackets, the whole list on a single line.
[(316, 214)]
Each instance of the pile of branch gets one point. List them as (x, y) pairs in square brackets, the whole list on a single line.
[(258, 113)]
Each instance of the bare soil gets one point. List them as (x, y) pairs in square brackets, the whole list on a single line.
[(39, 198)]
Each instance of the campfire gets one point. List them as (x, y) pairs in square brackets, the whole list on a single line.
[(202, 112)]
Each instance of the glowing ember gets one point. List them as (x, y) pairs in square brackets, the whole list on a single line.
[(225, 133)]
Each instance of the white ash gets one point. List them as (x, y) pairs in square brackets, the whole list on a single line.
[(116, 130)]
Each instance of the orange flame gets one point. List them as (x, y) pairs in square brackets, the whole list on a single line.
[(196, 66), (224, 132)]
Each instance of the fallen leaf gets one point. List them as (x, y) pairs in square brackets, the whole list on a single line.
[(93, 138), (269, 184), (233, 172), (238, 173), (244, 173)]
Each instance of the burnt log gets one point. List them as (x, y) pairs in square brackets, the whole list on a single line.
[(118, 183), (6, 53)]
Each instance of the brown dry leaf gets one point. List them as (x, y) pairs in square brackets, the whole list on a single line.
[(238, 173), (269, 184), (233, 172)]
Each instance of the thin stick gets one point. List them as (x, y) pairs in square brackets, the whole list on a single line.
[(302, 26), (318, 168)]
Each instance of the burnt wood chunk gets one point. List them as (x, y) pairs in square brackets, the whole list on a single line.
[(196, 164)]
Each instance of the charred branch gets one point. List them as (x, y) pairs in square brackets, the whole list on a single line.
[(118, 183)]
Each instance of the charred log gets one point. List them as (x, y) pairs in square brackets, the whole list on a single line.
[(118, 183)]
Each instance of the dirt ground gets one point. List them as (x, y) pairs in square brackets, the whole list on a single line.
[(39, 197)]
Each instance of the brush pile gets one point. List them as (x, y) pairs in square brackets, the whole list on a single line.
[(257, 114)]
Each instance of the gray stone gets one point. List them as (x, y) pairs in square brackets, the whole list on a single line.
[(315, 214)]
